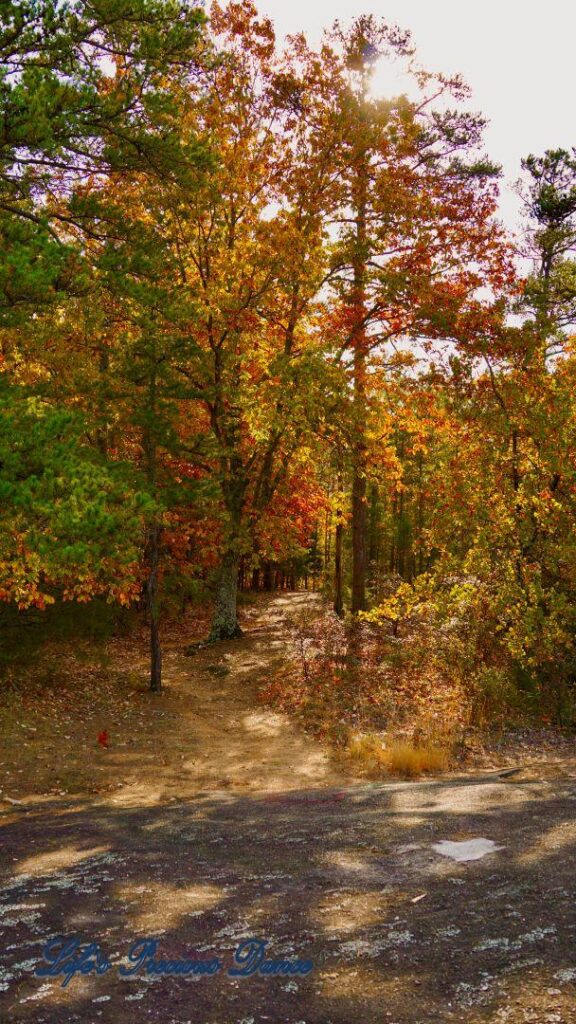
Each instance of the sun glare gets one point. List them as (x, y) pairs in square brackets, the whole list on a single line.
[(391, 79)]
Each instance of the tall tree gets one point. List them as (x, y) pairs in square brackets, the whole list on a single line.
[(416, 231), (249, 246), (87, 96), (549, 294)]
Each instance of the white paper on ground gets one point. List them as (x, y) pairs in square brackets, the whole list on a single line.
[(469, 849)]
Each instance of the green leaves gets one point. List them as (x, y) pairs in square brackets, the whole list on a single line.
[(67, 516), (83, 92)]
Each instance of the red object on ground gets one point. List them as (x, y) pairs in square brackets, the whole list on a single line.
[(103, 738)]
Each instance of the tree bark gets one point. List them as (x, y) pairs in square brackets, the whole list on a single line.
[(359, 530), (338, 595), (267, 576), (327, 552), (225, 619), (153, 609), (153, 542), (359, 345)]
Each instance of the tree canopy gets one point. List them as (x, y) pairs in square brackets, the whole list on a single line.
[(258, 324)]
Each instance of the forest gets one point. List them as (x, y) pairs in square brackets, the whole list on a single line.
[(261, 328), (287, 529)]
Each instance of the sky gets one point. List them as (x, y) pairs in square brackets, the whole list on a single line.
[(518, 57)]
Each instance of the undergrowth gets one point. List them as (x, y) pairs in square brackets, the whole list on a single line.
[(402, 702)]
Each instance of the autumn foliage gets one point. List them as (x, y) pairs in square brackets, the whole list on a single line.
[(260, 327)]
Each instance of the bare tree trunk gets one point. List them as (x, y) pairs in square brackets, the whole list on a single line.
[(225, 619), (359, 468), (153, 542), (359, 343), (153, 610), (338, 596), (102, 438), (420, 514), (359, 517), (338, 538), (327, 552)]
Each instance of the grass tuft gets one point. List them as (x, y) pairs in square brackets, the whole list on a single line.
[(407, 760), (401, 757)]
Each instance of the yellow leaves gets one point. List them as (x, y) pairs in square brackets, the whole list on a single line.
[(403, 603)]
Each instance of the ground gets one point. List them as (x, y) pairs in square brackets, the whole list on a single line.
[(210, 819)]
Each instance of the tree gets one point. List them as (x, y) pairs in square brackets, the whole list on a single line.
[(82, 93), (70, 522), (249, 246), (550, 204), (87, 96), (495, 424), (416, 231)]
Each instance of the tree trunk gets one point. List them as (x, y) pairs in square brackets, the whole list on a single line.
[(359, 345), (393, 562), (267, 576), (420, 514), (153, 610), (359, 531), (153, 542), (374, 536), (102, 438), (327, 552), (225, 619), (338, 596)]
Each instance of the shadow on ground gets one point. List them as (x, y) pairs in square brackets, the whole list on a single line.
[(327, 875)]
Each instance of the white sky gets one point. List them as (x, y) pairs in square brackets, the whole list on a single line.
[(517, 55)]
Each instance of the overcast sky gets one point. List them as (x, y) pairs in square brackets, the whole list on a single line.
[(518, 57)]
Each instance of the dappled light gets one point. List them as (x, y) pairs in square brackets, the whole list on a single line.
[(468, 796), (553, 842), (350, 912), (57, 859), (157, 907), (341, 881)]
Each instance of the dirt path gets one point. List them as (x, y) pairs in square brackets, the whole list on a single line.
[(240, 826)]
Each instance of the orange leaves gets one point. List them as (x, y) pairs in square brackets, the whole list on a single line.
[(287, 524)]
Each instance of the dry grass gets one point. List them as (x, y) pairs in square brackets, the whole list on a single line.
[(364, 749), (404, 759), (400, 757)]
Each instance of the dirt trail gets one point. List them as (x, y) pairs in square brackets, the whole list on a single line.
[(241, 826), (229, 740)]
